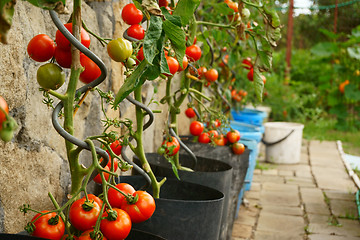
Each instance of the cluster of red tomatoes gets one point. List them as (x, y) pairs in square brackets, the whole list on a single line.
[(133, 17), (127, 206), (238, 95), (42, 48), (210, 75), (209, 134)]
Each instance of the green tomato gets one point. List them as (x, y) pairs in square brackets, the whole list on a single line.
[(130, 63), (119, 49), (245, 13), (50, 76)]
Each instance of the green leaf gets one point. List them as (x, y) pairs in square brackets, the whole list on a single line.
[(352, 92), (185, 9), (177, 38), (324, 49), (265, 63), (329, 34), (354, 52), (48, 4), (258, 84), (152, 35), (174, 19), (132, 82), (173, 166), (222, 8), (333, 99), (6, 15)]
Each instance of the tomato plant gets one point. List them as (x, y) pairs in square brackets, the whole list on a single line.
[(247, 63), (196, 128), (202, 70), (63, 43), (193, 52), (116, 147), (213, 134), (50, 76), (233, 136), (116, 224), (49, 226), (190, 113), (41, 48), (140, 208), (116, 198), (136, 31), (119, 49), (131, 15), (83, 214), (238, 148), (91, 70)]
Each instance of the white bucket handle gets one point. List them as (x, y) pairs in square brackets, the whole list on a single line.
[(278, 141)]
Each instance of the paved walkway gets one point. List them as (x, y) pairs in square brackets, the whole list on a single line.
[(312, 200)]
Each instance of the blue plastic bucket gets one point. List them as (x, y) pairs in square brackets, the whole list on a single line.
[(248, 131), (251, 116)]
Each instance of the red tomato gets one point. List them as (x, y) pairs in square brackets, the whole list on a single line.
[(233, 136), (173, 64), (86, 235), (211, 75), (238, 148), (116, 164), (247, 63), (140, 54), (64, 44), (250, 75), (3, 107), (202, 71), (204, 138), (342, 86), (220, 140), (116, 228), (98, 179), (185, 63), (91, 70), (63, 57), (116, 198), (163, 3), (193, 52), (41, 48), (196, 128), (131, 15), (190, 113), (213, 134), (48, 226), (142, 209), (232, 5), (83, 214), (116, 147), (172, 147), (136, 31)]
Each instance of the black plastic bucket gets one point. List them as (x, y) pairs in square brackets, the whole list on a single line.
[(134, 235), (239, 163), (183, 211), (208, 172)]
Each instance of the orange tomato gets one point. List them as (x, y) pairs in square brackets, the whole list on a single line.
[(342, 86)]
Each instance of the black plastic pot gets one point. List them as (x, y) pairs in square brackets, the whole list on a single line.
[(239, 163), (183, 211), (208, 172), (134, 235)]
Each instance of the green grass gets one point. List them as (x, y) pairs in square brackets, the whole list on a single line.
[(324, 129)]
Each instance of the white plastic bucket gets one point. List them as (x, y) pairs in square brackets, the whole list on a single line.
[(283, 142)]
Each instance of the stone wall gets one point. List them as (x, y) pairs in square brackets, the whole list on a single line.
[(34, 162)]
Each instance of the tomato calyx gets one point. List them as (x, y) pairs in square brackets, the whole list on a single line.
[(88, 205), (131, 199), (111, 215), (30, 227), (54, 220)]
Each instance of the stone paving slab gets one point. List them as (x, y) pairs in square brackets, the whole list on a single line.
[(327, 237), (301, 201), (279, 223)]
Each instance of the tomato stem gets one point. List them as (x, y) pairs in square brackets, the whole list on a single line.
[(215, 24)]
